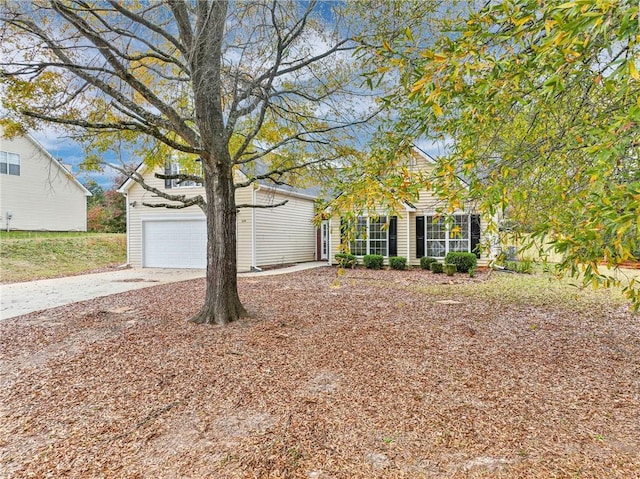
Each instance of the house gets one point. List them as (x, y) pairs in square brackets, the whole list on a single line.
[(37, 192), (176, 238), (413, 233)]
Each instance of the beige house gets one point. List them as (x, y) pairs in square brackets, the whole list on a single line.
[(36, 191), (176, 238), (412, 233)]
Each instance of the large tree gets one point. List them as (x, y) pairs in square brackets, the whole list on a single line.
[(538, 104), (230, 84)]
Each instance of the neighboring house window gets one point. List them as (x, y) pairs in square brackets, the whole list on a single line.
[(441, 236), (9, 163), (371, 236), (176, 169)]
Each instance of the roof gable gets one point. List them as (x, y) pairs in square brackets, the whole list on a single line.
[(49, 156)]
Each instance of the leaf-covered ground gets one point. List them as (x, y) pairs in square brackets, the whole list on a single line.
[(362, 375)]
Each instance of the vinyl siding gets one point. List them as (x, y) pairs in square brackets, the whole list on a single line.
[(284, 234), (402, 235), (244, 231), (426, 204), (137, 196), (401, 239), (44, 196)]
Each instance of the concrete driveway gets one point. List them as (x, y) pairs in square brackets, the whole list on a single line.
[(17, 299)]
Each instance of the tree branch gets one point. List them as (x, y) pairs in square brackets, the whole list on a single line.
[(246, 205)]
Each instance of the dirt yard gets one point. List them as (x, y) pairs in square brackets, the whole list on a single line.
[(364, 375)]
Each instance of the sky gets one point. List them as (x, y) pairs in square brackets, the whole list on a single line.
[(71, 153)]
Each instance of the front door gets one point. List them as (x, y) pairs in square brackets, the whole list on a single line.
[(324, 240)]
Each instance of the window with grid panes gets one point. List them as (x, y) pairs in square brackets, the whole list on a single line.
[(441, 236), (371, 236)]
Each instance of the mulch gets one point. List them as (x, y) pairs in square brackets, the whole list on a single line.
[(363, 374)]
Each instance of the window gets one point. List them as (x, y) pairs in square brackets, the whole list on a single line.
[(442, 236), (177, 169), (9, 163), (370, 237)]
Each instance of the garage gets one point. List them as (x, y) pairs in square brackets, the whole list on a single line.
[(174, 243)]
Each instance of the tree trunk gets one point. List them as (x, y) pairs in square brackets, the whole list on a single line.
[(222, 303)]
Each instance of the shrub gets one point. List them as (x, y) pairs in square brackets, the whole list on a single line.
[(525, 266), (398, 262), (425, 262), (436, 267), (346, 260), (373, 261), (472, 273), (463, 261), (450, 269), (511, 266)]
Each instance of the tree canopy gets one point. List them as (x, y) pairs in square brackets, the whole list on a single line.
[(270, 87), (538, 105), (226, 83)]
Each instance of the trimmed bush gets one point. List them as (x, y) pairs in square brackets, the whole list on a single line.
[(450, 269), (346, 260), (463, 261), (398, 262), (472, 272), (436, 267), (373, 261), (426, 261)]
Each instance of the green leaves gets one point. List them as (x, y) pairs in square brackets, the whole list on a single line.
[(541, 103)]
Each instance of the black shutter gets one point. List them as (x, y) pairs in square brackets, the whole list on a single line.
[(419, 236), (393, 236), (343, 232), (475, 234), (167, 171)]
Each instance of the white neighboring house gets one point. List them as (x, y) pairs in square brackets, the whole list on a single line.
[(37, 193), (176, 238)]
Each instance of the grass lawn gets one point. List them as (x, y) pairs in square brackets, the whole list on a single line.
[(365, 374), (25, 256)]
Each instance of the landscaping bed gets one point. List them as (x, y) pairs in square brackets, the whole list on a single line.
[(338, 374)]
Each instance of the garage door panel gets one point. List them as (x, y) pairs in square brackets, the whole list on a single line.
[(175, 244)]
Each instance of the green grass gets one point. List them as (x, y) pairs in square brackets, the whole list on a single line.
[(530, 290), (26, 256)]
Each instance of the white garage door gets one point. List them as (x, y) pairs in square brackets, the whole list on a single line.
[(174, 244)]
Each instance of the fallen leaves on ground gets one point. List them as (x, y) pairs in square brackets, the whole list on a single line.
[(356, 375)]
